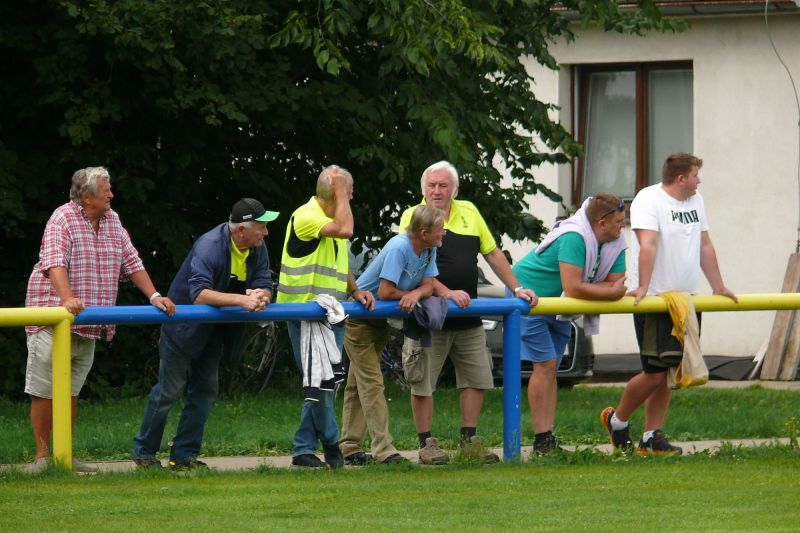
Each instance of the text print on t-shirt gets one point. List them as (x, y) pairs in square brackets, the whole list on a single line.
[(688, 217)]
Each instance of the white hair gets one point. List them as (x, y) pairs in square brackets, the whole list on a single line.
[(249, 224), (441, 165), (85, 181)]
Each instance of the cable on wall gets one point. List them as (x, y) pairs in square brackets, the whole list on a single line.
[(797, 101)]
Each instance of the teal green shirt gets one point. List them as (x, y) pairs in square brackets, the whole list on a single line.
[(541, 272)]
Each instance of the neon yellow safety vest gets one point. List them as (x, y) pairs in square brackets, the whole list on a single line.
[(311, 264)]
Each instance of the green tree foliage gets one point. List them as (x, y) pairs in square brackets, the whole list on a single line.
[(193, 104)]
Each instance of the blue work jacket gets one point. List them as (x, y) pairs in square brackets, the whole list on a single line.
[(208, 266)]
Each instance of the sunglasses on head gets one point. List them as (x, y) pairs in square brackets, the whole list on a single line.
[(619, 208)]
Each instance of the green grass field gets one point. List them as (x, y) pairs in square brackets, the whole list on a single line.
[(265, 424), (734, 490)]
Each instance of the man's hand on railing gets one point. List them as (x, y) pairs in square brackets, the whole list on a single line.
[(725, 291), (366, 298), (638, 293), (74, 305), (254, 300), (165, 304), (529, 296), (461, 298)]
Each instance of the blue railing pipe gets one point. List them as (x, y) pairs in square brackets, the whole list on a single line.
[(512, 402), (147, 314)]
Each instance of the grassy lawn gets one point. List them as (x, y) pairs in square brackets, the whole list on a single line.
[(265, 424), (734, 490)]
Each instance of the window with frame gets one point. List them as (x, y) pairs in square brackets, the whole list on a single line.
[(630, 118)]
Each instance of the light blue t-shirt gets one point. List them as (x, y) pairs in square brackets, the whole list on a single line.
[(398, 263)]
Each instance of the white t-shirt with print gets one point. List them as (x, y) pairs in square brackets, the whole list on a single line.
[(679, 225)]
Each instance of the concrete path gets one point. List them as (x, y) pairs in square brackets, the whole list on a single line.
[(249, 462), (245, 463), (721, 384)]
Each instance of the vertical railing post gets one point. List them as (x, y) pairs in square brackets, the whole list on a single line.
[(512, 408), (62, 397)]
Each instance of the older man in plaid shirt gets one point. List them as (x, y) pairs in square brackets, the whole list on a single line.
[(85, 253)]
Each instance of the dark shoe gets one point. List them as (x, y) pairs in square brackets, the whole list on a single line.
[(358, 459), (546, 444), (394, 459), (333, 455), (308, 460), (191, 464), (658, 445), (620, 438), (475, 451), (142, 463)]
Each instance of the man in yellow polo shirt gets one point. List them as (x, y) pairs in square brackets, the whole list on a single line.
[(462, 338)]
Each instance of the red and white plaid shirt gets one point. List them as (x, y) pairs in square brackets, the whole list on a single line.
[(95, 261)]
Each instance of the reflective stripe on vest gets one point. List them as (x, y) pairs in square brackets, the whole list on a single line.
[(313, 269), (324, 271)]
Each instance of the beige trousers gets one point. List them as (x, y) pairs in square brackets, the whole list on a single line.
[(365, 405)]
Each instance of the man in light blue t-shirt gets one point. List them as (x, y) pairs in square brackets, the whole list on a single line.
[(582, 257), (403, 270)]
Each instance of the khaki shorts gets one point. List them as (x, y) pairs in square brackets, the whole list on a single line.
[(39, 372), (468, 352)]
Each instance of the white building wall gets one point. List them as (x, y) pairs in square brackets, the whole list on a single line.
[(746, 132)]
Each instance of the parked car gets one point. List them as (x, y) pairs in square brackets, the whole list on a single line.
[(576, 364)]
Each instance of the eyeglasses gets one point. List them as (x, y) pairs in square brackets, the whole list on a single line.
[(619, 208)]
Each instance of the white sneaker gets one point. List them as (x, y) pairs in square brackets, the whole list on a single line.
[(80, 466), (39, 465)]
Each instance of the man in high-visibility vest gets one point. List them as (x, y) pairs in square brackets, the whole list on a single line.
[(315, 262)]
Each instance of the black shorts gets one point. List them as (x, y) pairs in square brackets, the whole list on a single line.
[(658, 349)]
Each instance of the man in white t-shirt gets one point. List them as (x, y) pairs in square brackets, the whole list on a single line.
[(672, 245)]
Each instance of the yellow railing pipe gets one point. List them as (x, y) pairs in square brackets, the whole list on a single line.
[(654, 304), (61, 320), (62, 397), (34, 316)]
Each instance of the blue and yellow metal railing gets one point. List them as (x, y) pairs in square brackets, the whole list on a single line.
[(510, 308)]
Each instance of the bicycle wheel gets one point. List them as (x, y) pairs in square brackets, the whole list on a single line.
[(270, 353), (392, 361), (254, 358)]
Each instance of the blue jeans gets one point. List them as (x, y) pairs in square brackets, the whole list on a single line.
[(317, 420), (178, 373)]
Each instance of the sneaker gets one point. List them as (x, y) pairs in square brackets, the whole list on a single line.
[(394, 459), (143, 463), (191, 464), (39, 465), (308, 460), (358, 459), (620, 438), (333, 455), (546, 445), (658, 445), (431, 454), (475, 450), (84, 468)]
